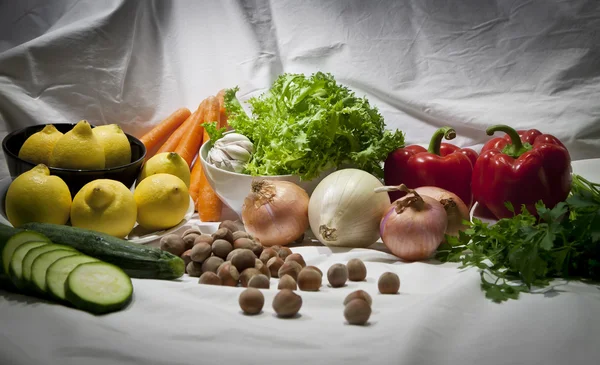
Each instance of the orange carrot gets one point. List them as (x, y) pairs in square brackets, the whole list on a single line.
[(171, 144), (222, 111), (195, 180), (208, 204), (190, 143), (162, 130)]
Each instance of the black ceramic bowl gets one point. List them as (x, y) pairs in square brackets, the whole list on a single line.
[(75, 179)]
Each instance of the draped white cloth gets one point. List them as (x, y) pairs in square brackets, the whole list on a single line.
[(424, 63)]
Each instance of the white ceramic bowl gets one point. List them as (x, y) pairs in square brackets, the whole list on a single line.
[(232, 188)]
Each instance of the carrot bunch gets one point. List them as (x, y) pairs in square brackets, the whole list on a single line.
[(182, 132)]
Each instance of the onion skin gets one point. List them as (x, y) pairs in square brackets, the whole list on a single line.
[(456, 209), (413, 230), (276, 212)]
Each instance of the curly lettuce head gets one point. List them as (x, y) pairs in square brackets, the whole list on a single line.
[(305, 125)]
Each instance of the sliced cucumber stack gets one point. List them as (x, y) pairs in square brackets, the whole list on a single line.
[(17, 240), (15, 269), (57, 273), (42, 263), (34, 254), (98, 287)]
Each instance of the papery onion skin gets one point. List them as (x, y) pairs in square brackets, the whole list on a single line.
[(276, 212), (414, 235), (456, 209), (344, 210)]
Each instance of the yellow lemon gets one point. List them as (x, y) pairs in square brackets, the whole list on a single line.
[(162, 201), (36, 196), (38, 147), (78, 149), (166, 163), (105, 206), (117, 151)]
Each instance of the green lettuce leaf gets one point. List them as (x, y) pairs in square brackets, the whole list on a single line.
[(307, 124)]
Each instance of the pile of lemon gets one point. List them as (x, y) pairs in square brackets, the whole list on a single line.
[(159, 201)]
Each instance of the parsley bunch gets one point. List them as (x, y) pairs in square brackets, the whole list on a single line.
[(524, 251)]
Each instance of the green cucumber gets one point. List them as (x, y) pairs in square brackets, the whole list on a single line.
[(34, 253), (14, 242), (98, 288), (6, 232), (15, 270), (136, 260), (57, 273), (42, 263)]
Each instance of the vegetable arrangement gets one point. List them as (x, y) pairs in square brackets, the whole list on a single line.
[(525, 251)]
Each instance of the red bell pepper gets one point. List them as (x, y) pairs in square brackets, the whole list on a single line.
[(522, 168), (416, 166)]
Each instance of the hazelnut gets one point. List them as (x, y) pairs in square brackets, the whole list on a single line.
[(172, 243), (309, 280), (357, 271), (232, 253), (186, 256), (316, 269), (209, 278), (337, 275), (194, 230), (240, 234), (251, 301), (211, 264), (291, 268), (230, 225), (201, 252), (204, 238), (243, 259), (359, 294), (189, 240), (284, 252), (194, 269), (287, 303), (248, 274), (262, 268), (276, 248), (274, 264), (267, 254), (389, 283), (287, 282), (257, 248), (223, 234), (221, 248), (259, 281), (357, 312), (296, 257), (228, 274), (243, 243)]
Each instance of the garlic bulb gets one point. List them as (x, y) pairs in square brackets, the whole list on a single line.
[(231, 152)]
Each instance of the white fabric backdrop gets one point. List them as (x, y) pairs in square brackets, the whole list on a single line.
[(424, 63)]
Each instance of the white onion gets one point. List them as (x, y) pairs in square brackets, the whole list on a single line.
[(345, 211)]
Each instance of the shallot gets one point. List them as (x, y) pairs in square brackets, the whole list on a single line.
[(414, 225), (276, 212), (456, 209)]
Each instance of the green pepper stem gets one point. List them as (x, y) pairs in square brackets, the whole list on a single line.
[(436, 139), (516, 148)]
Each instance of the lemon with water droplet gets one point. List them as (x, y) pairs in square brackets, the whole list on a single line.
[(106, 206), (37, 196), (117, 150), (78, 149), (38, 147)]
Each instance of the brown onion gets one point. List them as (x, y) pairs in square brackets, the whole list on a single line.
[(414, 226), (276, 212), (456, 209)]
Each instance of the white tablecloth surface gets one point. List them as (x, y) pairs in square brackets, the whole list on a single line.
[(440, 317)]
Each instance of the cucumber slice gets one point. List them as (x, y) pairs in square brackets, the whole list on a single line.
[(33, 254), (15, 270), (17, 240), (41, 264), (57, 274), (98, 288)]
